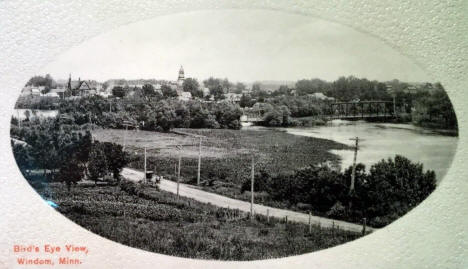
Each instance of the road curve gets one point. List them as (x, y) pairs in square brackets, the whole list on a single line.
[(223, 201)]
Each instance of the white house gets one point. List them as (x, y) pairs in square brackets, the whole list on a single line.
[(184, 96), (51, 95), (35, 91)]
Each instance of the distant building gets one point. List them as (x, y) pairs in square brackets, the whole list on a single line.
[(51, 95), (184, 96), (233, 97), (81, 88), (205, 91), (320, 96), (35, 92), (60, 92), (181, 77)]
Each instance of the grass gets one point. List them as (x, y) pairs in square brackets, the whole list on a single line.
[(226, 155), (144, 217)]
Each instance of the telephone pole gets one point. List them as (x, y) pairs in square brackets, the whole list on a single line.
[(125, 137), (252, 188), (178, 170), (353, 173), (199, 163), (145, 179)]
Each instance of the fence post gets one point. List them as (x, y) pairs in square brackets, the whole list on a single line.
[(268, 215), (310, 223)]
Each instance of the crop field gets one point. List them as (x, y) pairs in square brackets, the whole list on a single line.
[(144, 217)]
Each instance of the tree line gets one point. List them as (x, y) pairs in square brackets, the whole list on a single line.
[(52, 151), (388, 190), (152, 114), (426, 104)]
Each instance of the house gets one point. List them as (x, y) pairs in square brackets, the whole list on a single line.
[(51, 95), (233, 97), (104, 94), (82, 88), (320, 96), (184, 96), (205, 91), (35, 92), (60, 92)]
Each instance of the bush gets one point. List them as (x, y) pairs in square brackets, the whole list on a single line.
[(390, 189)]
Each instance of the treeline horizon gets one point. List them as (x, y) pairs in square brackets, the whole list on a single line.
[(426, 104), (39, 80)]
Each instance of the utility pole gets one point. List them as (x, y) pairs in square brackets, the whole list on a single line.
[(178, 171), (125, 137), (394, 105), (252, 188), (126, 123), (145, 166), (199, 163), (353, 173)]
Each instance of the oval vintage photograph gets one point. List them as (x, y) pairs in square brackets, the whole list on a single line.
[(233, 134)]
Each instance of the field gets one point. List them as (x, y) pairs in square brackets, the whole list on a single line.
[(144, 217), (226, 155)]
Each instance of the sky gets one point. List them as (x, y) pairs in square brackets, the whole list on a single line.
[(241, 45)]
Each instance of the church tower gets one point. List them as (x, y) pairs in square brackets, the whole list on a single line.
[(181, 78)]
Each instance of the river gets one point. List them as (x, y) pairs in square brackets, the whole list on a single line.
[(384, 140)]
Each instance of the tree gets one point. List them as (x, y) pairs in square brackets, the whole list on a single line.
[(164, 115), (246, 101), (118, 91), (240, 87), (168, 91), (97, 166), (191, 85), (22, 156), (284, 90), (394, 186), (70, 172), (116, 158), (218, 87), (148, 90), (217, 92), (47, 82)]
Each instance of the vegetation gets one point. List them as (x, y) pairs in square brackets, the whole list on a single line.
[(142, 216), (192, 86), (434, 110), (152, 114), (389, 190), (64, 153), (422, 104), (47, 82), (226, 154), (290, 173)]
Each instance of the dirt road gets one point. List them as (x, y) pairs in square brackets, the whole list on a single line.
[(223, 201)]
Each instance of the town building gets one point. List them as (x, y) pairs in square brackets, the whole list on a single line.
[(181, 77), (233, 97)]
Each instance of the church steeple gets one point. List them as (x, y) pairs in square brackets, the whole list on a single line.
[(181, 74), (181, 78)]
